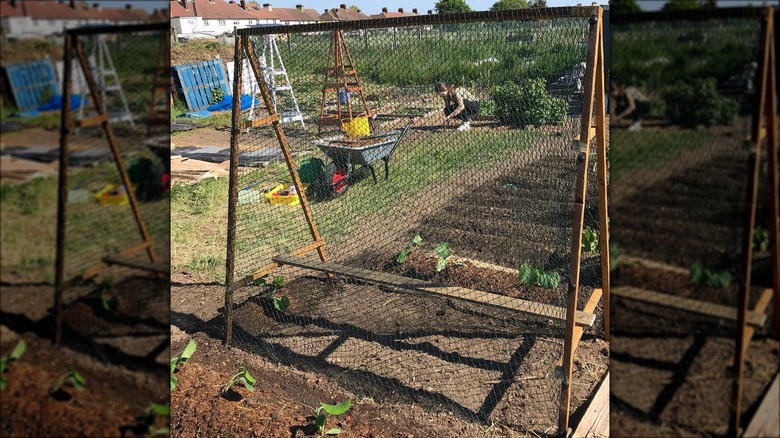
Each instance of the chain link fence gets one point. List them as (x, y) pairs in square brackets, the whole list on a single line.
[(439, 158), (682, 94)]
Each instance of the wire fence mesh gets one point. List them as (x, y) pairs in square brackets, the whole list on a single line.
[(113, 111), (681, 104), (99, 220), (450, 237)]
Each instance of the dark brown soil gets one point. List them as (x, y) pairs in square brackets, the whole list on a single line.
[(122, 354)]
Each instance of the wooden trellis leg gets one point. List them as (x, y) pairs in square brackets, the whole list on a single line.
[(62, 192), (601, 156), (765, 111), (243, 46), (595, 57)]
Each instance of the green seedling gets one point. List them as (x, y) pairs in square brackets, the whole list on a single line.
[(705, 276), (326, 410), (442, 253), (760, 239), (536, 276), (590, 240), (243, 377), (280, 303), (407, 249), (152, 413), (71, 378), (179, 361), (614, 255), (7, 361)]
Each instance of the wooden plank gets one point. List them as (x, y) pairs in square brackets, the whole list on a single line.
[(545, 310), (687, 304), (653, 264), (92, 121), (267, 120), (766, 421), (595, 422), (91, 272), (113, 260)]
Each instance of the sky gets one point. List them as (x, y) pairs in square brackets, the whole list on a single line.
[(655, 5)]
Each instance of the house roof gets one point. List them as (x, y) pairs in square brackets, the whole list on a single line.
[(177, 10), (6, 10), (283, 14), (211, 9), (61, 10), (342, 14)]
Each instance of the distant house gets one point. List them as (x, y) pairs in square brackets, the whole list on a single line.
[(400, 13), (40, 18), (342, 13), (198, 18)]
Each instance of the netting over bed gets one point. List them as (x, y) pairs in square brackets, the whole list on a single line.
[(449, 240), (680, 167)]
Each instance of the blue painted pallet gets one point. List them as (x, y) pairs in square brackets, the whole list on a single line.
[(28, 82), (195, 82)]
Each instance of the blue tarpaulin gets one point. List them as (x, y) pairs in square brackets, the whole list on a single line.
[(55, 104), (227, 103)]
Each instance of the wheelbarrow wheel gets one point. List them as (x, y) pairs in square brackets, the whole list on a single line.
[(335, 180)]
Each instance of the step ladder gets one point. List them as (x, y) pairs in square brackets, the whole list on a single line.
[(108, 82), (159, 119), (278, 82), (342, 79)]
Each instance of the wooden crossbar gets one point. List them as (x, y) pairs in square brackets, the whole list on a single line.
[(545, 310), (92, 121), (261, 121), (113, 260), (687, 304)]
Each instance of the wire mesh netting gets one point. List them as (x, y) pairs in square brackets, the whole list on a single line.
[(681, 105), (439, 161), (114, 78), (99, 220)]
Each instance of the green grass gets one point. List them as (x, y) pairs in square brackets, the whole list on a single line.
[(648, 149)]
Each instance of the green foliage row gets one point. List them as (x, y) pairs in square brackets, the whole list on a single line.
[(698, 102), (528, 103)]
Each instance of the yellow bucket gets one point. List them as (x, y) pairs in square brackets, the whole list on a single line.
[(356, 127)]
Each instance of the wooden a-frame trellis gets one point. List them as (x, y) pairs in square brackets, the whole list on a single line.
[(74, 45), (593, 127)]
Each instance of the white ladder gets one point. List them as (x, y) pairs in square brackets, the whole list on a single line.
[(106, 80), (268, 62)]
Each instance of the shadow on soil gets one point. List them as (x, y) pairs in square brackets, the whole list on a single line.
[(362, 381)]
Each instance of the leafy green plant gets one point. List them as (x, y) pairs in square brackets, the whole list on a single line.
[(326, 410), (590, 240), (403, 255), (217, 94), (71, 378), (6, 361), (243, 377), (442, 254), (705, 276), (179, 361), (527, 103), (614, 255), (152, 413), (760, 239), (280, 303), (536, 276), (690, 103)]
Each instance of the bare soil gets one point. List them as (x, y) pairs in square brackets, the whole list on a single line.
[(122, 354), (393, 352)]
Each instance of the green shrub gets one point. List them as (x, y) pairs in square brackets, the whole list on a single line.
[(528, 104), (698, 102)]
